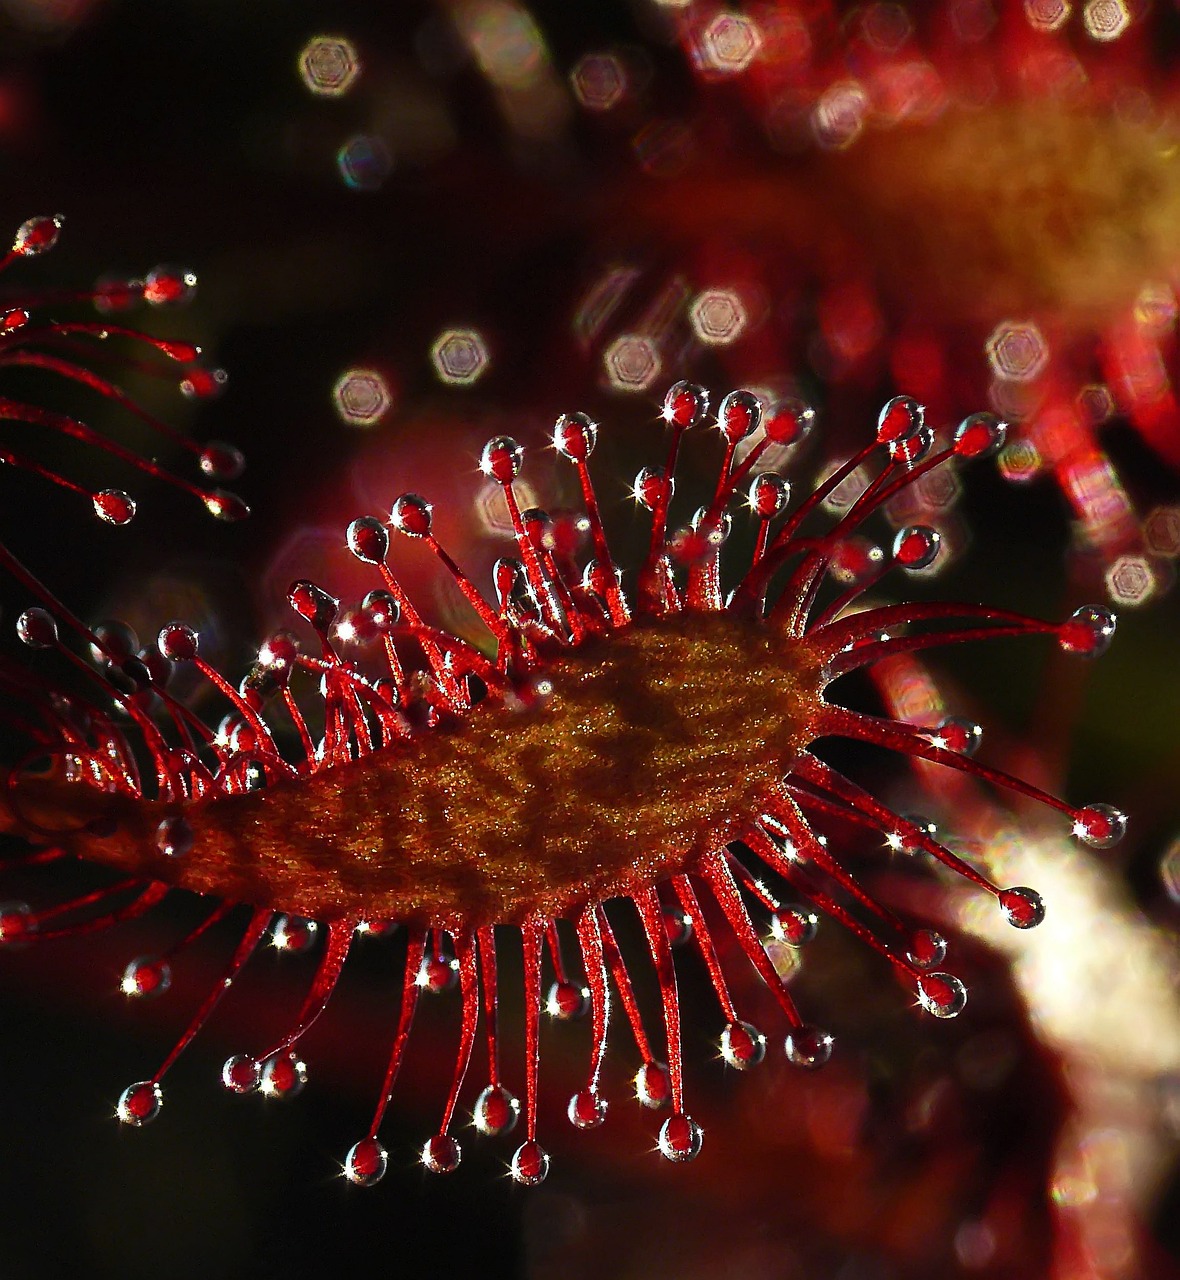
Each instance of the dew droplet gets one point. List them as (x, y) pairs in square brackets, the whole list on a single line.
[(530, 1164), (368, 539), (980, 435), (169, 286), (37, 235), (501, 459), (769, 495), (739, 415), (17, 923), (788, 421), (283, 1076), (795, 925), (567, 1001), (958, 734), (685, 404), (575, 435), (680, 1138), (808, 1047), (241, 1073), (411, 515), (366, 1162), (926, 949), (916, 546), (496, 1111), (649, 486), (293, 934), (1022, 907), (178, 642), (441, 1154), (942, 994), (219, 460), (113, 506), (653, 1085), (742, 1045), (677, 925), (912, 449), (382, 609), (36, 628), (313, 603), (117, 641), (174, 837), (146, 976), (140, 1103), (439, 972), (225, 505), (1088, 631), (900, 419), (587, 1110), (1099, 825)]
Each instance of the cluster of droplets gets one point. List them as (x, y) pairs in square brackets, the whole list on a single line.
[(60, 348)]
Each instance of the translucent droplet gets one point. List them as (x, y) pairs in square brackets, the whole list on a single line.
[(958, 734), (575, 435), (283, 1076), (501, 459), (567, 1001), (980, 435), (653, 1085), (293, 934), (900, 419), (368, 539), (226, 506), (742, 1045), (241, 1073), (788, 421), (649, 485), (37, 235), (439, 972), (1100, 825), (313, 603), (795, 925), (1022, 907), (412, 515), (113, 506), (587, 1110), (37, 629), (912, 449), (680, 1138), (926, 949), (530, 1164), (169, 286), (219, 460), (208, 384), (739, 415), (382, 609), (1088, 631), (178, 642), (146, 976), (942, 994), (769, 495), (916, 546), (140, 1103), (685, 405), (808, 1047), (441, 1154), (677, 925), (279, 651), (366, 1162), (174, 837), (496, 1111)]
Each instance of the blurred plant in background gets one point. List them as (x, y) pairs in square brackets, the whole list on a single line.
[(420, 226)]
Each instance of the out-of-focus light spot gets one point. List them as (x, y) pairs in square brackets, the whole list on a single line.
[(364, 162), (329, 65), (1170, 869), (1161, 531), (975, 1245), (787, 960), (730, 42), (1106, 19), (1046, 15), (1131, 581), (601, 301), (664, 148), (491, 511), (972, 20), (599, 81), (673, 4), (839, 115), (362, 397), (1020, 461), (460, 356), (1096, 403), (505, 42), (718, 317), (1017, 351), (631, 362), (886, 27), (1155, 308)]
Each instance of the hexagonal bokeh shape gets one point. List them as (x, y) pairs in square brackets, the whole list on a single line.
[(1161, 531), (599, 81), (329, 65), (460, 356), (1046, 15), (1131, 581), (1017, 351), (1106, 19), (1020, 461), (718, 317), (730, 42), (362, 397), (364, 162), (632, 362)]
